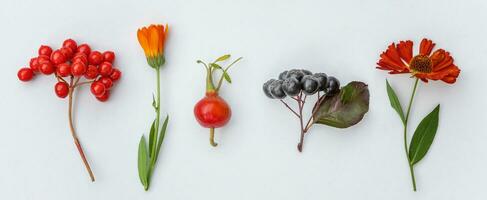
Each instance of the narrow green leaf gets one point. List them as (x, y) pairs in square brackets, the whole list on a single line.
[(152, 136), (161, 136), (143, 162), (227, 77), (217, 66), (154, 102), (395, 102), (423, 136), (222, 58)]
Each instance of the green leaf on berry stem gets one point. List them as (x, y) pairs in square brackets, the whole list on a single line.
[(346, 108), (423, 136), (227, 77), (222, 58)]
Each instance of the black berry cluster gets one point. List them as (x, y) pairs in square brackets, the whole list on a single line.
[(293, 82)]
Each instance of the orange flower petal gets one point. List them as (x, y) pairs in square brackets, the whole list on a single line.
[(406, 50), (426, 47)]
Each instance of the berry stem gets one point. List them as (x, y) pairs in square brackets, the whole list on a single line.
[(212, 137), (300, 106), (289, 107), (73, 132)]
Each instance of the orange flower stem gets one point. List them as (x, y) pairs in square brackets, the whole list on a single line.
[(411, 170), (73, 132)]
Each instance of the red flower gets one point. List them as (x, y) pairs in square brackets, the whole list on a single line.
[(426, 65)]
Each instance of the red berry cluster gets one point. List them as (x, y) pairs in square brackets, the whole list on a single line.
[(75, 62)]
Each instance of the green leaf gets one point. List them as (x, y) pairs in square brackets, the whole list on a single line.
[(423, 136), (143, 163), (214, 65), (161, 136), (152, 136), (222, 58), (154, 102), (346, 108), (227, 77), (395, 102)]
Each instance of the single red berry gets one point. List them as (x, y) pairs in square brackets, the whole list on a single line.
[(25, 74), (95, 58), (70, 43), (105, 69), (108, 56), (43, 59), (79, 57), (78, 69), (107, 82), (116, 74), (212, 111), (63, 69), (58, 57), (34, 64), (84, 48), (97, 89), (91, 72), (61, 89), (67, 52), (47, 68), (45, 50), (104, 97)]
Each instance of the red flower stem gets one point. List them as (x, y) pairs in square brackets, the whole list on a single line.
[(411, 170), (73, 132)]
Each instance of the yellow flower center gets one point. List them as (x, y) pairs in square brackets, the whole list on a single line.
[(421, 63)]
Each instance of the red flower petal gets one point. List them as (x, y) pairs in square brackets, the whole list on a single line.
[(426, 47)]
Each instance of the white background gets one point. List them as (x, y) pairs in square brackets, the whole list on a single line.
[(257, 156)]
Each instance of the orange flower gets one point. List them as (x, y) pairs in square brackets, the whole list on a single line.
[(152, 40), (426, 65)]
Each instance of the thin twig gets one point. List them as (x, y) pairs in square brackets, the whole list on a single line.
[(289, 107)]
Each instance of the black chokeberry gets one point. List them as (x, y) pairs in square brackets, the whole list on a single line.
[(322, 80), (266, 88), (306, 72), (333, 86), (276, 89), (291, 86), (309, 85), (283, 75), (295, 73)]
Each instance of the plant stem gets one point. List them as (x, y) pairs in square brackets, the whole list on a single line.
[(73, 132), (212, 137), (156, 128), (411, 170), (301, 138)]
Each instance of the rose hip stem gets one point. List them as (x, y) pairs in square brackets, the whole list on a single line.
[(72, 87)]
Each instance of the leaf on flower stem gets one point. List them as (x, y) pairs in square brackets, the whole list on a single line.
[(423, 136), (395, 102), (346, 108), (222, 58), (152, 136), (154, 102), (227, 77), (161, 136), (143, 162)]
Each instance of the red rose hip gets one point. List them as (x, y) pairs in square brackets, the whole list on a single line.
[(61, 89), (25, 74), (34, 64)]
